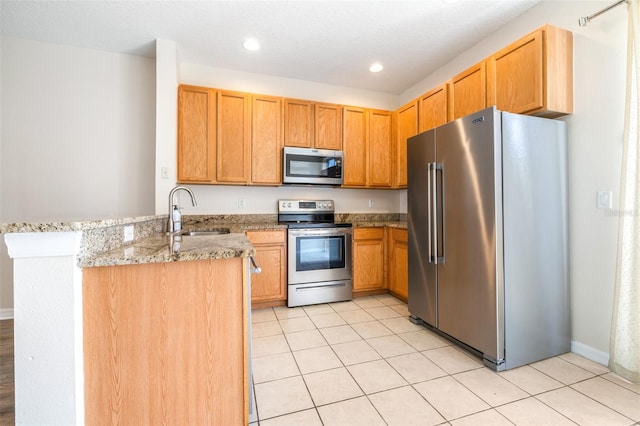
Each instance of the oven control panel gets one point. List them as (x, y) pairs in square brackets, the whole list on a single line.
[(292, 206)]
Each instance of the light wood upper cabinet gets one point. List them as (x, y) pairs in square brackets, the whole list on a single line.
[(398, 262), (368, 259), (234, 135), (434, 109), (368, 150), (196, 134), (534, 75), (328, 126), (298, 123), (266, 140), (407, 126), (379, 165), (467, 92), (269, 287), (354, 132)]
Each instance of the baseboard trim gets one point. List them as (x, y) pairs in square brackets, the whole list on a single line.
[(590, 353), (6, 313)]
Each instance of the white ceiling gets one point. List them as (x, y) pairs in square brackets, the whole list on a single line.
[(331, 42)]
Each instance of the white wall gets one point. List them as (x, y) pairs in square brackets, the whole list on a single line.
[(595, 147), (78, 136)]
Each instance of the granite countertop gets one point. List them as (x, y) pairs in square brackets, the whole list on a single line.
[(381, 223), (158, 248), (102, 239)]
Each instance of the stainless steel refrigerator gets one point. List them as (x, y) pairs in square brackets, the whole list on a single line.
[(487, 219)]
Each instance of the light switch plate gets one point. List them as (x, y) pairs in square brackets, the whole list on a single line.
[(604, 200)]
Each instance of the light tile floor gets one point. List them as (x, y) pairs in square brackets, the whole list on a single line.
[(364, 363)]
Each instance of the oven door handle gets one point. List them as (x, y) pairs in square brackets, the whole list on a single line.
[(319, 233), (320, 286)]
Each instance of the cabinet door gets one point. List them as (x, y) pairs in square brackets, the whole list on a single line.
[(271, 254), (145, 324), (354, 131), (518, 74), (234, 132), (328, 126), (467, 92), (298, 123), (380, 153), (368, 259), (534, 75), (407, 126), (434, 108), (196, 134), (266, 140), (398, 263)]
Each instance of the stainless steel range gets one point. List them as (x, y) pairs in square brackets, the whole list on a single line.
[(319, 259)]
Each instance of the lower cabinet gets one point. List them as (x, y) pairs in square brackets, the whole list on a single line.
[(269, 288), (166, 343), (368, 260), (398, 263)]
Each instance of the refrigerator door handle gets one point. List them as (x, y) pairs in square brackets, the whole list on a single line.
[(439, 255), (433, 228), (429, 238)]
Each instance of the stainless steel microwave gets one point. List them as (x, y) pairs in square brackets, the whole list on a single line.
[(312, 166)]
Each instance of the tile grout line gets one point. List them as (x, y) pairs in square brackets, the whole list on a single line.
[(366, 340)]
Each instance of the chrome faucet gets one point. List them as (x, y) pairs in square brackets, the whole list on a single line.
[(170, 223)]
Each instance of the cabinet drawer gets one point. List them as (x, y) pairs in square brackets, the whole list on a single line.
[(400, 234), (267, 237), (368, 233)]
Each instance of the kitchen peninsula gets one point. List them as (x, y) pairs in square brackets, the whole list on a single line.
[(136, 334)]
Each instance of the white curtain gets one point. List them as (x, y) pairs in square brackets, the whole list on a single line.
[(625, 332)]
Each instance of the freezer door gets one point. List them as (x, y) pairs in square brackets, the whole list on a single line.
[(469, 151), (422, 274)]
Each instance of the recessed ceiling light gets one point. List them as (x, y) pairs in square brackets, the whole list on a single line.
[(376, 68), (251, 44)]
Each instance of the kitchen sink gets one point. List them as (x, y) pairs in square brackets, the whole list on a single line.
[(219, 231)]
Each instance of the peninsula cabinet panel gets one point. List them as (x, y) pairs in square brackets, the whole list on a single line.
[(269, 287), (328, 126), (298, 123), (368, 259), (467, 92), (354, 132), (434, 108), (407, 126), (234, 133), (165, 343), (534, 75), (266, 140), (380, 153), (398, 263), (196, 134)]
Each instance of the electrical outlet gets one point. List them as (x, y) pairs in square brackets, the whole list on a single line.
[(371, 204), (241, 203), (604, 200), (164, 173), (128, 233)]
